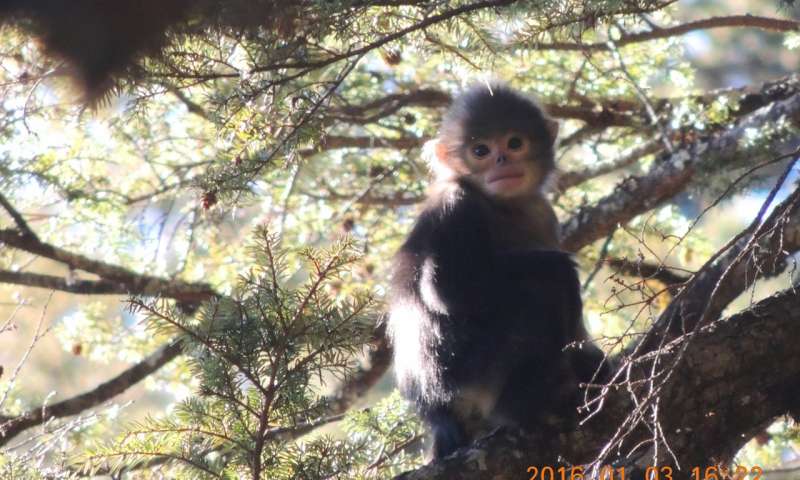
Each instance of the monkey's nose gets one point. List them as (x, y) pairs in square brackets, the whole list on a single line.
[(501, 159)]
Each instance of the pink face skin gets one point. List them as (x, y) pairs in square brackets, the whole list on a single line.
[(503, 165)]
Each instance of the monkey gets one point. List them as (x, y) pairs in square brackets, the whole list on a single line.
[(100, 40), (483, 302)]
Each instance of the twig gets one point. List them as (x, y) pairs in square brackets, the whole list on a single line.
[(37, 334)]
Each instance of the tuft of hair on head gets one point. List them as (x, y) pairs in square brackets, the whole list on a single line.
[(487, 109)]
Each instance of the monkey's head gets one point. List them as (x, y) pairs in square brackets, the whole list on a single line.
[(499, 139)]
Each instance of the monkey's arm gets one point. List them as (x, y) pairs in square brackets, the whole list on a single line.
[(448, 261), (551, 277), (546, 281)]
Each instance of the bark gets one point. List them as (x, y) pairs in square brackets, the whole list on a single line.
[(735, 376)]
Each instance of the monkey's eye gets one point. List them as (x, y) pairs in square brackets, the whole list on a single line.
[(514, 143), (480, 150)]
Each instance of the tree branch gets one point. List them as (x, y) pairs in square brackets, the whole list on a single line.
[(767, 258), (123, 281), (356, 52), (13, 426), (332, 142), (647, 270), (671, 173), (51, 282), (22, 225), (570, 179), (134, 283), (597, 114), (748, 21), (389, 105)]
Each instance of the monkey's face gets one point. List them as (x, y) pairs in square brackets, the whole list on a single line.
[(504, 165)]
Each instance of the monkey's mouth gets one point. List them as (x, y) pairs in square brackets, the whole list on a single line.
[(512, 174)]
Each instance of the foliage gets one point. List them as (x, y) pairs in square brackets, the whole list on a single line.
[(261, 356)]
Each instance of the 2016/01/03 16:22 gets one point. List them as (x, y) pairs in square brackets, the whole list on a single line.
[(651, 473)]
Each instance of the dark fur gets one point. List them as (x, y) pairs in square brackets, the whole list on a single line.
[(483, 304), (480, 113), (100, 39)]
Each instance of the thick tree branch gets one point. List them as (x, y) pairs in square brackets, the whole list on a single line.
[(51, 282), (737, 375), (671, 173), (135, 283), (704, 412), (13, 426)]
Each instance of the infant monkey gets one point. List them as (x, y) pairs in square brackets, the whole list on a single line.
[(483, 302)]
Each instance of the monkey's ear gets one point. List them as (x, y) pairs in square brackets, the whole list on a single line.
[(552, 128), (440, 150), (441, 160)]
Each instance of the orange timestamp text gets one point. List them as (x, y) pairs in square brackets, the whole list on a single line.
[(651, 473)]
